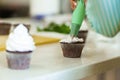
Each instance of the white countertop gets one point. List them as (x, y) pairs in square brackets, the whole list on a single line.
[(99, 55)]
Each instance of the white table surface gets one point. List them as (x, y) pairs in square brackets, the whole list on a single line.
[(99, 55), (48, 63)]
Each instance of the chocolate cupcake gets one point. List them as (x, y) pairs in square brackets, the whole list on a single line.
[(83, 34), (19, 47), (5, 28), (72, 49)]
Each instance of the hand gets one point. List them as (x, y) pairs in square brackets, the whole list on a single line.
[(74, 3)]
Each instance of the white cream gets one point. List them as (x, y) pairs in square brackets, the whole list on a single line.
[(20, 40), (71, 40)]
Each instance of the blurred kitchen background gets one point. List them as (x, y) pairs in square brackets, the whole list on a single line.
[(33, 8), (38, 9)]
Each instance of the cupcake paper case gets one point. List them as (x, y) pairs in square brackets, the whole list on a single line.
[(72, 50)]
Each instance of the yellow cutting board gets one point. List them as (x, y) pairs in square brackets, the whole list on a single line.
[(39, 40)]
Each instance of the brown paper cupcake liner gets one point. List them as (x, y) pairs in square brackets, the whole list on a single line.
[(18, 61), (72, 50)]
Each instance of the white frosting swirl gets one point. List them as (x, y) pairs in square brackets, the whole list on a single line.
[(72, 40), (20, 40)]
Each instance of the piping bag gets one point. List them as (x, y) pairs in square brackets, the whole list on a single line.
[(77, 18)]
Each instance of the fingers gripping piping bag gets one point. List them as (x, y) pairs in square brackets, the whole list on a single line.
[(77, 18), (104, 16)]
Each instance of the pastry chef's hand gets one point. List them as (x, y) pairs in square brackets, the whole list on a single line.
[(74, 3)]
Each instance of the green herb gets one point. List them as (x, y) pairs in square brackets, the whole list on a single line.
[(53, 27)]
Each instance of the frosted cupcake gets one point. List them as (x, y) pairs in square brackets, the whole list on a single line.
[(19, 48), (72, 48)]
